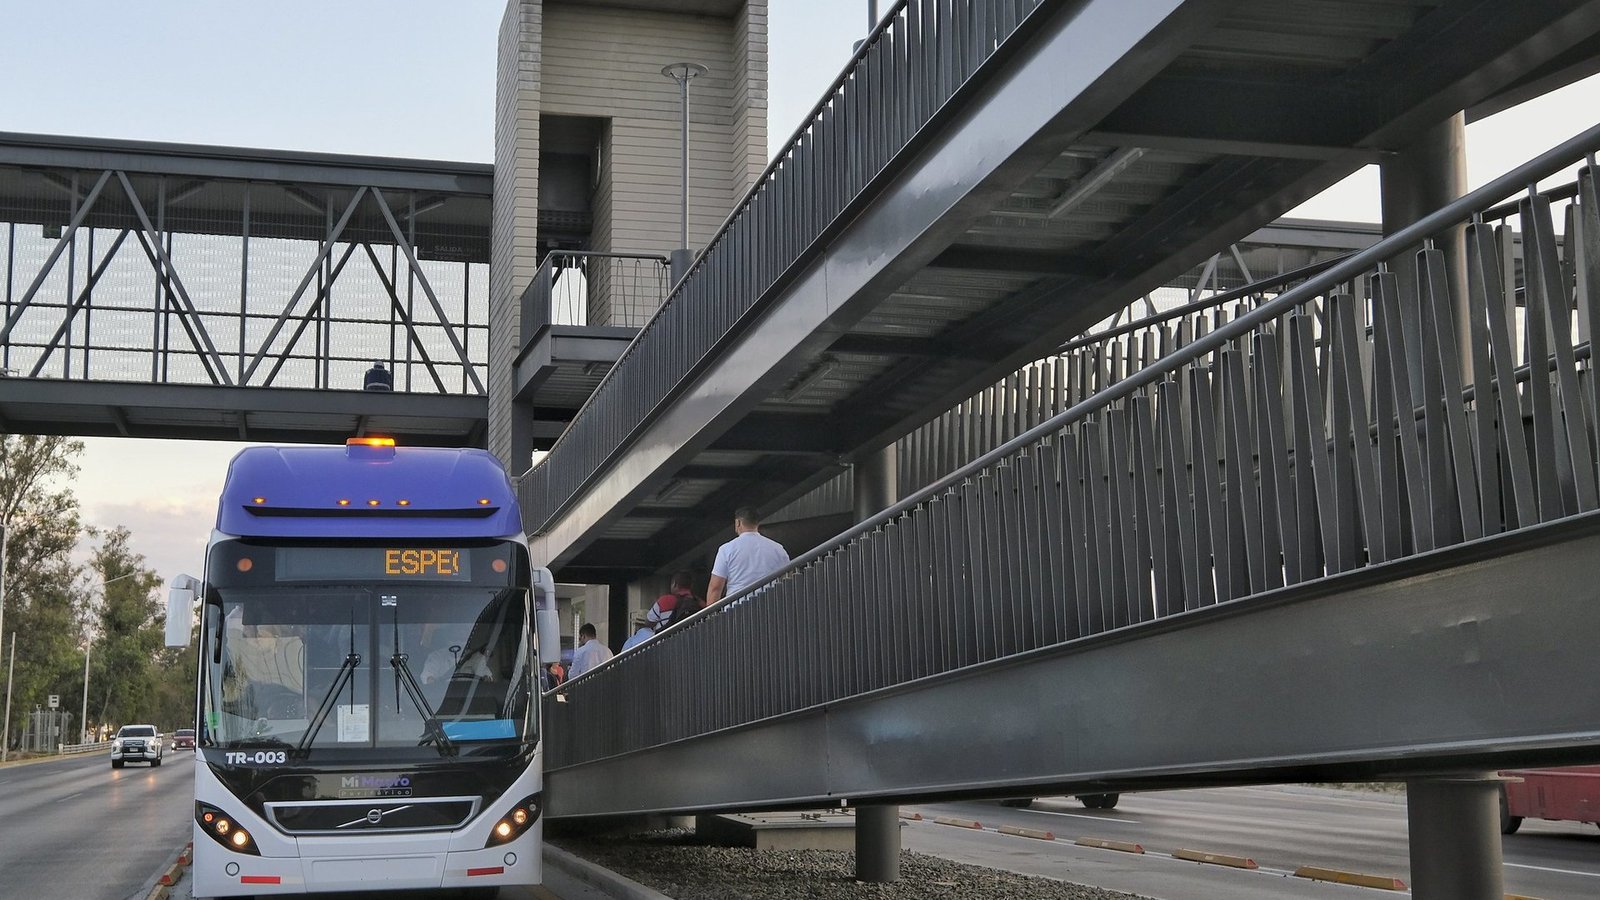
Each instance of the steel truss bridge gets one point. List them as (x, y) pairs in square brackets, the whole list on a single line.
[(163, 290)]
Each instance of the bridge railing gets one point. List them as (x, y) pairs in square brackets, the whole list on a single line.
[(921, 54), (1348, 422), (593, 288)]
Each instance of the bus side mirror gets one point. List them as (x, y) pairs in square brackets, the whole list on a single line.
[(180, 616), (545, 617), (549, 625)]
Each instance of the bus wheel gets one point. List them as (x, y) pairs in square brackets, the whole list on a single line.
[(1099, 801), (1508, 823)]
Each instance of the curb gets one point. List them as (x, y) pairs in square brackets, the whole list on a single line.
[(958, 823), (157, 887), (1026, 832), (1215, 859), (617, 886), (1381, 882), (1103, 844)]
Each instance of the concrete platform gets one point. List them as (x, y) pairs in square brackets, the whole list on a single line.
[(821, 830)]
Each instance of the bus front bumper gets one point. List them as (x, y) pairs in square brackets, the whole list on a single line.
[(219, 872)]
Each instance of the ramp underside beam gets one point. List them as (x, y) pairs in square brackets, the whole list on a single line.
[(1435, 664)]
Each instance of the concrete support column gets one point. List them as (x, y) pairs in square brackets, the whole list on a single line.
[(1454, 825), (618, 621), (1417, 180), (877, 827)]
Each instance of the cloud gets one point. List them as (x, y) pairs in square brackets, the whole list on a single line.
[(170, 532)]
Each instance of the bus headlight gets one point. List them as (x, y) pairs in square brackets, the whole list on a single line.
[(517, 820), (221, 827)]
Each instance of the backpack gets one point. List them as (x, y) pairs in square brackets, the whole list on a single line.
[(687, 605)]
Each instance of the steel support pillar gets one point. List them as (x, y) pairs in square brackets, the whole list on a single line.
[(1417, 180), (1454, 825), (678, 263), (876, 482)]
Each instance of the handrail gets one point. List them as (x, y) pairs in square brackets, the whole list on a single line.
[(784, 223), (1543, 166), (1089, 339)]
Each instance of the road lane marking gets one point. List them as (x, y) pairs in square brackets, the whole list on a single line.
[(70, 796), (1548, 869), (1051, 812)]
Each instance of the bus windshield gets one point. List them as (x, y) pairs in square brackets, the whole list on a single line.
[(302, 663)]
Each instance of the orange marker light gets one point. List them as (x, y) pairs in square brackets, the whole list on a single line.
[(246, 564), (483, 501), (260, 500), (369, 442), (344, 502), (403, 502), (372, 502)]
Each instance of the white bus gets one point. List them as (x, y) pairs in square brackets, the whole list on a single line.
[(368, 687)]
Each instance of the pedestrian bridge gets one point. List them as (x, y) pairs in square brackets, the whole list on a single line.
[(1342, 533)]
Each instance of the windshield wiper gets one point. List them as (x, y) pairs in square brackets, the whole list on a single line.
[(347, 670), (402, 675)]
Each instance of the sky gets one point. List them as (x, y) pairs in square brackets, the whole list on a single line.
[(406, 78)]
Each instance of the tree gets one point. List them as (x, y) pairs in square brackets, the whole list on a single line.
[(41, 607), (130, 642)]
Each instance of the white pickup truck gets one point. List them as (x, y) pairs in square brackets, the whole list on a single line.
[(136, 743)]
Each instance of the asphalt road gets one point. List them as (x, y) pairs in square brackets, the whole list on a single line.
[(77, 828), (1280, 828)]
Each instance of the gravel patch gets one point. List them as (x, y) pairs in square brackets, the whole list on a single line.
[(674, 863)]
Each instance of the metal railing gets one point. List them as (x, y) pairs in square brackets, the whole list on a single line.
[(592, 288), (69, 749), (1327, 430), (113, 288), (921, 54)]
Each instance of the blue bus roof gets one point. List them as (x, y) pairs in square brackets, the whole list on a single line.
[(363, 491)]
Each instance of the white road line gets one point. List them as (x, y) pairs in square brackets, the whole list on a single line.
[(1051, 812), (1558, 871)]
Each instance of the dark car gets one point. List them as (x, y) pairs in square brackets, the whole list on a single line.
[(183, 739)]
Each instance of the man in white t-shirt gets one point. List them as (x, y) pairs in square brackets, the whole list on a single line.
[(590, 652), (745, 560)]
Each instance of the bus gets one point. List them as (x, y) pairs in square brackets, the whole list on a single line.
[(371, 630)]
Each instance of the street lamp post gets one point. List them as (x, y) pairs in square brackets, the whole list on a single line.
[(5, 730), (683, 73), (88, 647)]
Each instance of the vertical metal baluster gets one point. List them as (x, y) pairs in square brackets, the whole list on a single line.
[(1345, 439), (1244, 549), (1586, 219), (1080, 543), (1465, 519), (1413, 475), (1183, 562), (1056, 584), (1370, 503), (1539, 252), (1125, 568), (1028, 551), (1485, 403), (1156, 588), (1000, 511), (1098, 518), (1278, 532), (1210, 516), (979, 603), (1314, 484), (1485, 253), (1547, 475)]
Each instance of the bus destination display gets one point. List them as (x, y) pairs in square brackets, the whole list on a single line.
[(373, 563)]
